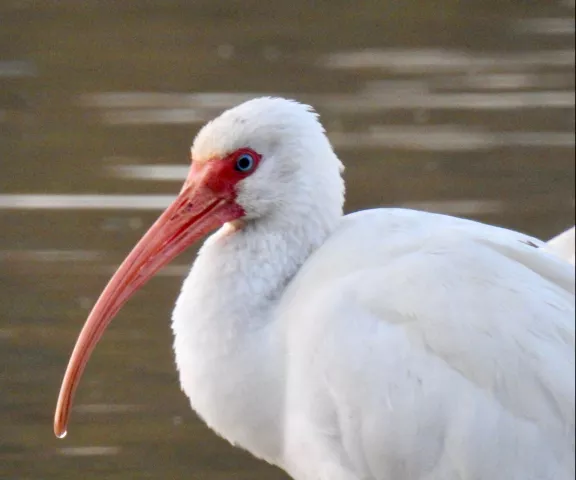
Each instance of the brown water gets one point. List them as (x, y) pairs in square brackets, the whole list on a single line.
[(450, 106)]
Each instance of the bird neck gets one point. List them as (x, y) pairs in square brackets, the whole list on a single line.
[(227, 353)]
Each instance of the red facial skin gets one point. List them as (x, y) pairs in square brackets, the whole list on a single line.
[(207, 201)]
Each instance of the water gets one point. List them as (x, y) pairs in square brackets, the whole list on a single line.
[(459, 107)]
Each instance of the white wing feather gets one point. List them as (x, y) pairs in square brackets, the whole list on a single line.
[(459, 363), (563, 245)]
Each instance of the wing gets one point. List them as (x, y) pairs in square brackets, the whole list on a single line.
[(563, 245), (446, 348)]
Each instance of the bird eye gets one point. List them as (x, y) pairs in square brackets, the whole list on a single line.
[(245, 163)]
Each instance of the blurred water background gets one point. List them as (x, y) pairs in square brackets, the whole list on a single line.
[(463, 107)]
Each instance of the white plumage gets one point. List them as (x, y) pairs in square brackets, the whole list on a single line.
[(563, 245), (384, 345)]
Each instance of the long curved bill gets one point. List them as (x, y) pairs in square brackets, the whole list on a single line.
[(195, 212)]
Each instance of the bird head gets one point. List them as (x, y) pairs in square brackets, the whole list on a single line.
[(265, 156)]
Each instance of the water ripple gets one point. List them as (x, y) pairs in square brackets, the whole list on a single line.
[(84, 202), (88, 451), (412, 61)]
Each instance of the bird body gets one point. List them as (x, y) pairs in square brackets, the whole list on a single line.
[(385, 344), (471, 349)]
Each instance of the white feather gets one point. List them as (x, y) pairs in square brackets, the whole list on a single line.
[(563, 245)]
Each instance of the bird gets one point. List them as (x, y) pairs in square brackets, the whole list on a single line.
[(563, 245), (382, 344)]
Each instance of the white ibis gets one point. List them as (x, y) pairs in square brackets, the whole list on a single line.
[(385, 344)]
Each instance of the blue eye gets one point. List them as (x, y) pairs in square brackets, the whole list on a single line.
[(245, 163)]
